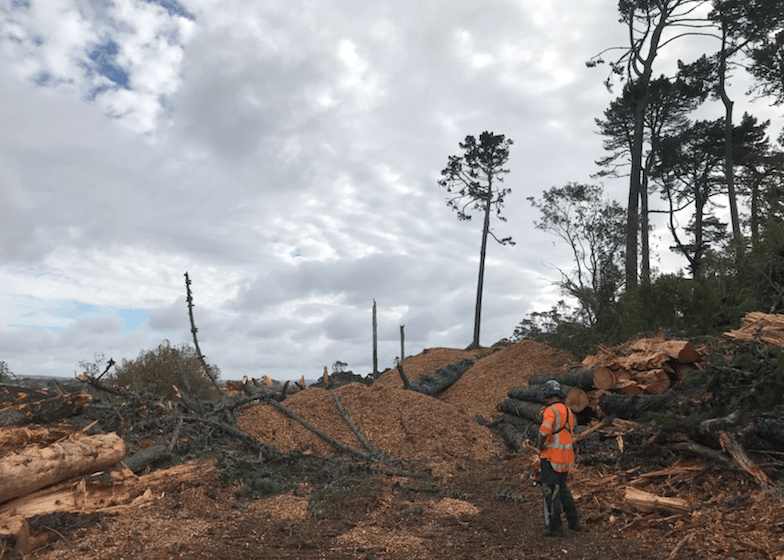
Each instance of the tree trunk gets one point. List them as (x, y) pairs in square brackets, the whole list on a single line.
[(513, 430), (33, 469), (375, 343), (402, 342), (729, 164), (481, 280)]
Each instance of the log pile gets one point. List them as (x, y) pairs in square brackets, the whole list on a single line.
[(57, 456), (763, 327), (624, 381)]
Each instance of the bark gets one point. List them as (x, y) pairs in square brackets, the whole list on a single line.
[(631, 407), (33, 469)]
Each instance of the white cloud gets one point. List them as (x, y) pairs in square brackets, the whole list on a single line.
[(286, 156)]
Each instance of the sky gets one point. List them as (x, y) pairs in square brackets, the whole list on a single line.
[(286, 156)]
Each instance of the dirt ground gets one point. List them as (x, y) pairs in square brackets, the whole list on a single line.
[(447, 488)]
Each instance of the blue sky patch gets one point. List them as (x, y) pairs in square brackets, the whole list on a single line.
[(173, 7), (132, 318), (104, 56)]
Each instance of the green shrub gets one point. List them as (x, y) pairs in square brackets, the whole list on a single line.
[(158, 371)]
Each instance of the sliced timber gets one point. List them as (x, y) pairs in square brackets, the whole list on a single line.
[(650, 503), (631, 407), (765, 327), (32, 469), (682, 351), (84, 496)]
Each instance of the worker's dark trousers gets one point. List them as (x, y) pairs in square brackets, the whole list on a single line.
[(557, 496)]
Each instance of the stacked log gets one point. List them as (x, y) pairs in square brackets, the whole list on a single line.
[(764, 327), (625, 381), (643, 366)]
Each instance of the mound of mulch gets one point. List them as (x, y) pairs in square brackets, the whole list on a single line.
[(485, 384), (401, 423), (440, 431)]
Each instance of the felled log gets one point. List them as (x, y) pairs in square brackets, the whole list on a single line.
[(14, 438), (515, 430), (524, 409), (647, 502), (631, 407), (39, 407), (32, 469), (442, 379), (119, 496), (576, 398), (598, 377)]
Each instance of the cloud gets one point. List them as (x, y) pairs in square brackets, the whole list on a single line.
[(286, 156)]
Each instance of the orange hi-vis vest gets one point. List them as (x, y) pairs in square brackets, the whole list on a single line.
[(557, 426)]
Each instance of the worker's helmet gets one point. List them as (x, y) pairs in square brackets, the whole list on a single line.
[(552, 389)]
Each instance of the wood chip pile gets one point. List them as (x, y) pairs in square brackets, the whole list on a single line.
[(407, 424)]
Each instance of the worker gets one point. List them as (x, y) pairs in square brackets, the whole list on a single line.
[(556, 460)]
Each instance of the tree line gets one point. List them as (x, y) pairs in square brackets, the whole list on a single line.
[(698, 169)]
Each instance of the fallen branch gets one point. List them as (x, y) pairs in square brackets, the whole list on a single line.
[(352, 425), (323, 435), (738, 454)]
